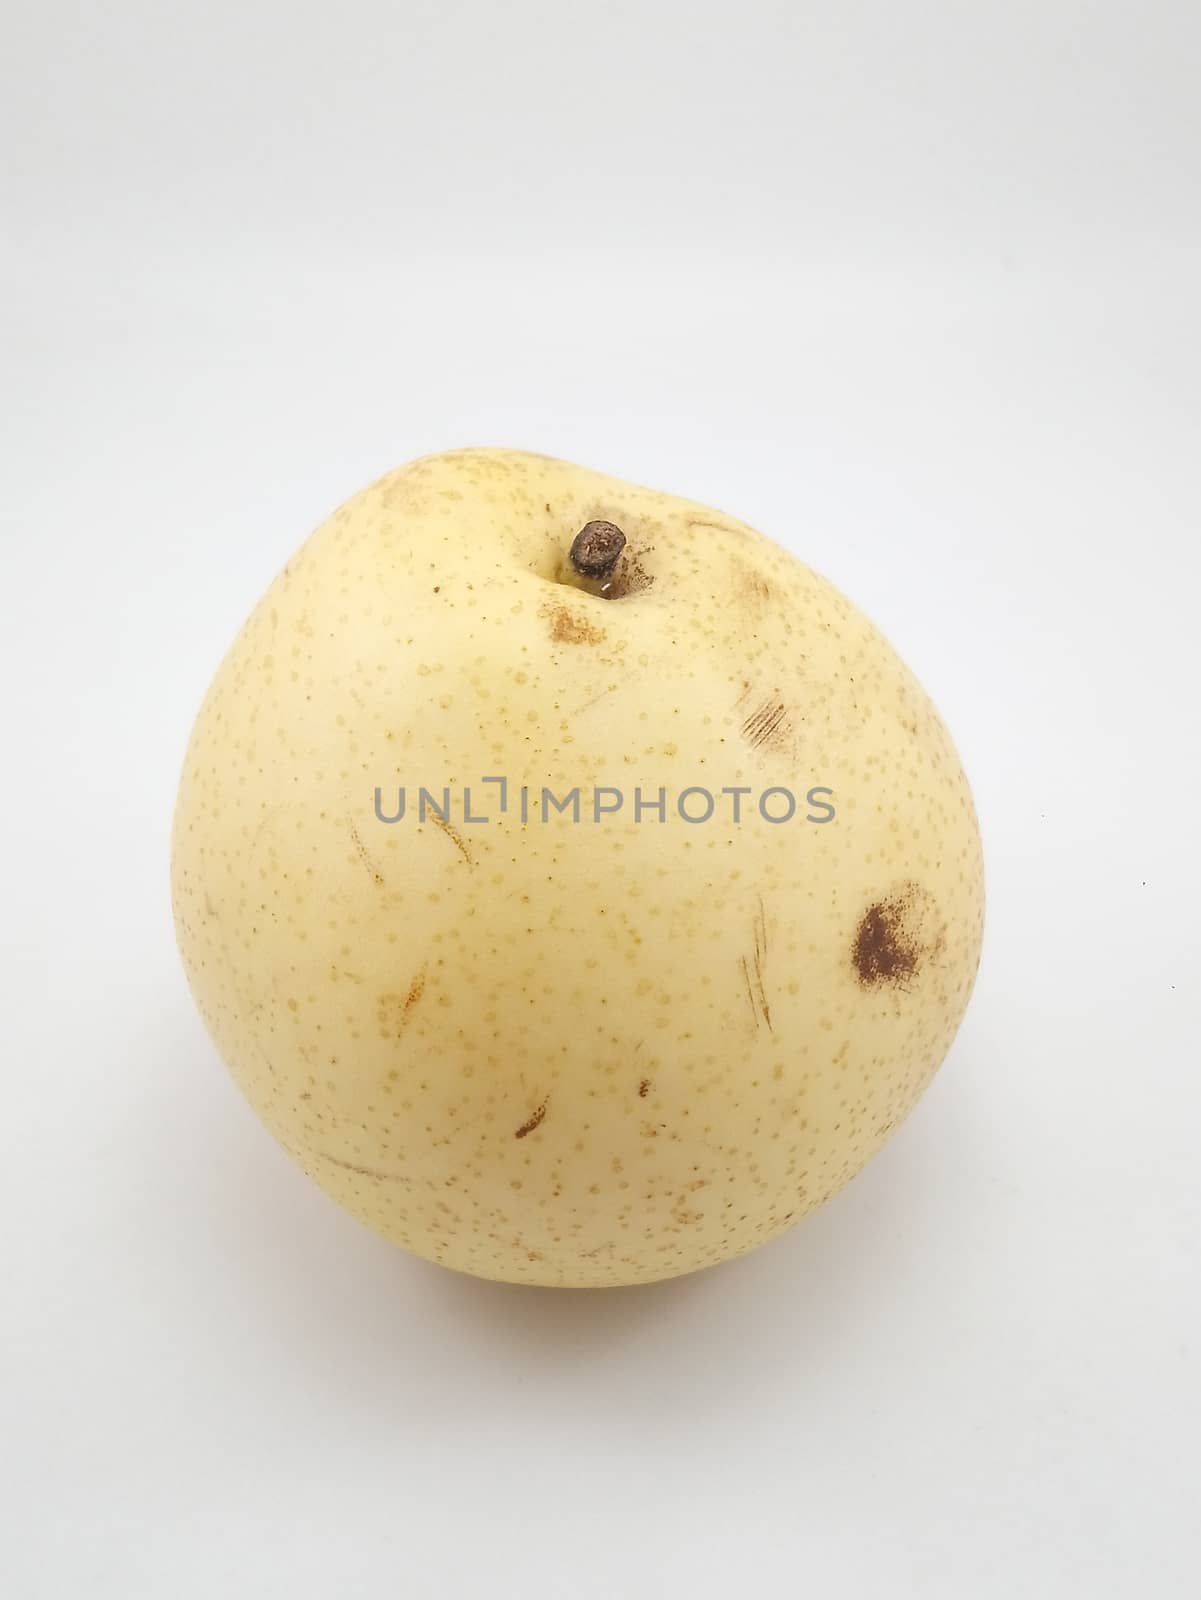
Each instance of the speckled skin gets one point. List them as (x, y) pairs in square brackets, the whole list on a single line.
[(573, 1054)]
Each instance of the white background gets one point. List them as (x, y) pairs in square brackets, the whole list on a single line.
[(914, 288)]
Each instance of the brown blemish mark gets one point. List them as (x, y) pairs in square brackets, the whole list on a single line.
[(376, 875), (453, 834), (534, 1120), (568, 628), (768, 726), (644, 1088), (210, 909), (393, 1010), (895, 938)]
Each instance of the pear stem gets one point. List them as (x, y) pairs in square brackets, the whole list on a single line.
[(596, 549)]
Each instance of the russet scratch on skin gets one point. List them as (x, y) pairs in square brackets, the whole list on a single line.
[(361, 1172), (750, 993), (631, 681), (393, 1011), (462, 1126), (373, 871), (767, 725), (760, 933), (453, 835), (596, 698), (534, 1120), (416, 990), (752, 970), (269, 815), (750, 584), (718, 527)]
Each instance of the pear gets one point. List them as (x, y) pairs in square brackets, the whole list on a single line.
[(578, 887)]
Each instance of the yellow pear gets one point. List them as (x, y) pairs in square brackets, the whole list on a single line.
[(683, 923)]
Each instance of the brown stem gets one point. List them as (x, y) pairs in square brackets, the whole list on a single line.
[(596, 549)]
